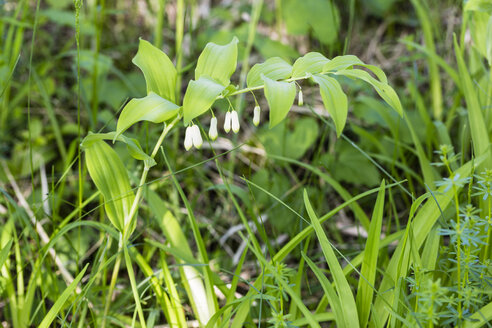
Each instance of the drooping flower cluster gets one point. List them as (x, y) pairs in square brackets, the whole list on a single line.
[(231, 120), (193, 136)]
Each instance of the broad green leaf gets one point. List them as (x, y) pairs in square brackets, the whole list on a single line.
[(60, 302), (218, 62), (342, 286), (111, 179), (199, 97), (312, 63), (280, 97), (478, 129), (159, 72), (132, 145), (151, 108), (330, 293), (274, 68), (368, 271), (342, 62), (334, 100), (383, 89)]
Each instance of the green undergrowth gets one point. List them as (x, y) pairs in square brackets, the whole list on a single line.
[(255, 163)]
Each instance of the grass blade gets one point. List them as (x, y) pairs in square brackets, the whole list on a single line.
[(342, 286), (332, 296), (365, 290), (48, 319)]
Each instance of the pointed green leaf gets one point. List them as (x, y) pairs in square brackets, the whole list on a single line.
[(348, 61), (330, 293), (132, 145), (312, 62), (60, 301), (159, 72), (111, 179), (274, 68), (152, 108), (280, 97), (368, 271), (218, 62), (342, 286), (334, 100), (199, 97), (478, 128), (383, 89), (342, 62)]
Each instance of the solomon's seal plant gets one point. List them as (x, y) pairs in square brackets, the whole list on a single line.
[(279, 81)]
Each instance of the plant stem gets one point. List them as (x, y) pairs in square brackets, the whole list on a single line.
[(112, 284), (143, 178), (238, 92)]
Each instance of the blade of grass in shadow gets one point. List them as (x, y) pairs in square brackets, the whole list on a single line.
[(286, 286), (358, 212), (330, 293), (60, 302), (368, 270), (298, 280), (341, 284)]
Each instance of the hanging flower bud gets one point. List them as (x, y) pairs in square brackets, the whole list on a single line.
[(235, 121), (188, 142), (227, 122), (212, 133), (256, 115), (197, 137), (300, 98)]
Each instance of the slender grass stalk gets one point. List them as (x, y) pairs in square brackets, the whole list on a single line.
[(435, 80), (159, 24), (99, 13), (133, 283), (112, 284), (180, 21)]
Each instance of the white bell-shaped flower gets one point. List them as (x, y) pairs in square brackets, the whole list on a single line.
[(300, 98), (256, 115), (197, 137), (212, 133), (227, 122), (188, 142), (235, 121)]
